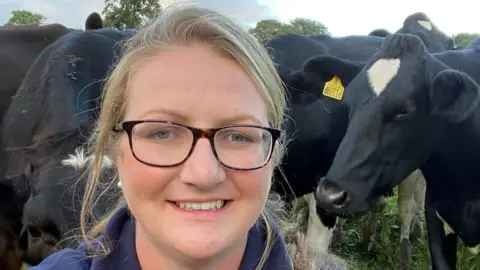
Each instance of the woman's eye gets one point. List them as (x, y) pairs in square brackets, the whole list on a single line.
[(238, 137), (163, 134)]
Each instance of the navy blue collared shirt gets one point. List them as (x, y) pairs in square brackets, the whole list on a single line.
[(121, 231)]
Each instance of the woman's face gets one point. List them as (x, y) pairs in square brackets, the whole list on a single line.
[(196, 87)]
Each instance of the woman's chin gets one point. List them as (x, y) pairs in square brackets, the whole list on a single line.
[(200, 245)]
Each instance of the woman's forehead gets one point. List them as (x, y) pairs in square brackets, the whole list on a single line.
[(194, 83)]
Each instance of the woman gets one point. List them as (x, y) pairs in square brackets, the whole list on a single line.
[(192, 116)]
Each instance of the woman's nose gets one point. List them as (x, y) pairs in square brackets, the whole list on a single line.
[(202, 168)]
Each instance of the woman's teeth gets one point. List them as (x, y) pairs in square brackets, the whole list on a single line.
[(213, 205)]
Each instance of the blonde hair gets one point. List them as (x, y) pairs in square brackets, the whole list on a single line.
[(186, 25)]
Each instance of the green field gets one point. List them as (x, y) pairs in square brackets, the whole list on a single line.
[(384, 255)]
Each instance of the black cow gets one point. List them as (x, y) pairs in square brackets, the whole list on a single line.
[(51, 216), (409, 110), (292, 50), (57, 101), (20, 46), (379, 33)]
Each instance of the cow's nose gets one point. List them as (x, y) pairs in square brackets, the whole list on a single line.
[(330, 194)]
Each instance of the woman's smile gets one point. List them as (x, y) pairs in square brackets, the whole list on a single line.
[(206, 210)]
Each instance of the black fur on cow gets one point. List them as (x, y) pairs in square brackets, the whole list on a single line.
[(308, 130), (51, 215), (379, 33), (11, 246), (475, 44), (19, 47), (409, 110), (292, 50)]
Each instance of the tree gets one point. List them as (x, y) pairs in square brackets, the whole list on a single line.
[(20, 17), (464, 39), (269, 28), (304, 26), (129, 13)]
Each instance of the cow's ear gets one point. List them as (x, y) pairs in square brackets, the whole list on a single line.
[(453, 95), (324, 68)]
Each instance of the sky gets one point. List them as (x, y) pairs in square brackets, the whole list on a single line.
[(342, 17)]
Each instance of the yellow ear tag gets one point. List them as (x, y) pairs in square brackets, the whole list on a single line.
[(334, 88)]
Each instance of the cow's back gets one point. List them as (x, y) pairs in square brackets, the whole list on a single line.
[(354, 48), (466, 60), (475, 44), (19, 47)]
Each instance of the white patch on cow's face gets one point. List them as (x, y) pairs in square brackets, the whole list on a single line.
[(381, 73), (446, 227), (79, 160), (426, 25)]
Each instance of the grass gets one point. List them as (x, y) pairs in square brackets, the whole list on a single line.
[(384, 254)]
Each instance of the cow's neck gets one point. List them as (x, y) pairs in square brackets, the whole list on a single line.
[(452, 179)]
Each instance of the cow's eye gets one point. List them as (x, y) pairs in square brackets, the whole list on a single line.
[(403, 112), (34, 231)]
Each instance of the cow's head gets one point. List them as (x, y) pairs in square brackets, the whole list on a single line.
[(57, 182), (420, 25), (52, 213), (405, 97), (317, 119)]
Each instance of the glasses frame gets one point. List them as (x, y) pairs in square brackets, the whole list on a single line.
[(208, 133)]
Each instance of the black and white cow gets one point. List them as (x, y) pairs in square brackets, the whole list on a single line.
[(290, 51), (316, 126), (57, 101), (410, 110), (420, 25)]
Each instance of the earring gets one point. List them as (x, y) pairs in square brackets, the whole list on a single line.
[(119, 184)]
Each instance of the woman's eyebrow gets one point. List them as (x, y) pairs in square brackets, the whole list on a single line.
[(181, 117), (240, 118), (163, 112)]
